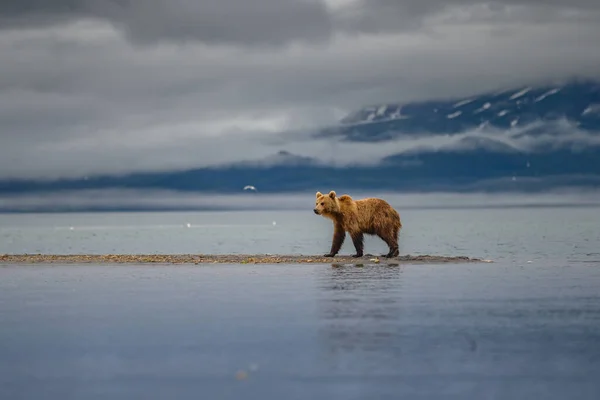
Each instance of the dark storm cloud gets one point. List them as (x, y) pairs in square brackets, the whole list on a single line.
[(39, 12), (273, 22), (79, 94)]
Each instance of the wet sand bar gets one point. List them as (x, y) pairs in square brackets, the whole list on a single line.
[(223, 259)]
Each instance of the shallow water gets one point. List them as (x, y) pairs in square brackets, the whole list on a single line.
[(302, 331), (526, 326)]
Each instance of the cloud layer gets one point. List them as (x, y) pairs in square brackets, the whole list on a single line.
[(95, 86)]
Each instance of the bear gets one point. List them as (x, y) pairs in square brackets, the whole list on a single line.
[(371, 216)]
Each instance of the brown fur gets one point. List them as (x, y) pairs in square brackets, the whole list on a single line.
[(371, 216)]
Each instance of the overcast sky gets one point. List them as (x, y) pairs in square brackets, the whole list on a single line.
[(95, 86)]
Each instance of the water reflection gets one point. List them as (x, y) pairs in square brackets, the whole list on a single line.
[(360, 312), (448, 329)]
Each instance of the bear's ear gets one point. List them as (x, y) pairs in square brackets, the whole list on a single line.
[(319, 194), (332, 194)]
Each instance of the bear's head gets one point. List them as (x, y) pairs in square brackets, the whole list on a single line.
[(326, 204)]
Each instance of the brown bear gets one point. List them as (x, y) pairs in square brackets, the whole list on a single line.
[(371, 216)]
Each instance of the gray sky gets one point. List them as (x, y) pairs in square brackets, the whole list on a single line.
[(95, 86)]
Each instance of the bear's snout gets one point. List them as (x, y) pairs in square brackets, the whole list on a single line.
[(316, 211)]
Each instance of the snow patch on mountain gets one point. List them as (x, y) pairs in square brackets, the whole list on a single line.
[(592, 109), (462, 103), (483, 108), (520, 93), (548, 93), (375, 114), (381, 110), (398, 114)]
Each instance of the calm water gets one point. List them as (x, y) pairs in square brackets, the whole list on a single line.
[(526, 326)]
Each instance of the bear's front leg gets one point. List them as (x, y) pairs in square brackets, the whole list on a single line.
[(338, 239), (357, 239)]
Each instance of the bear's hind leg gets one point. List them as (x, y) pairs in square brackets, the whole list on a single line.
[(394, 252), (392, 241)]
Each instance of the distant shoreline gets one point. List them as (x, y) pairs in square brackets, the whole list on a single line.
[(224, 259), (141, 210)]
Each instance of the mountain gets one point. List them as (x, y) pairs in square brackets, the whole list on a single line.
[(526, 139), (576, 101)]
